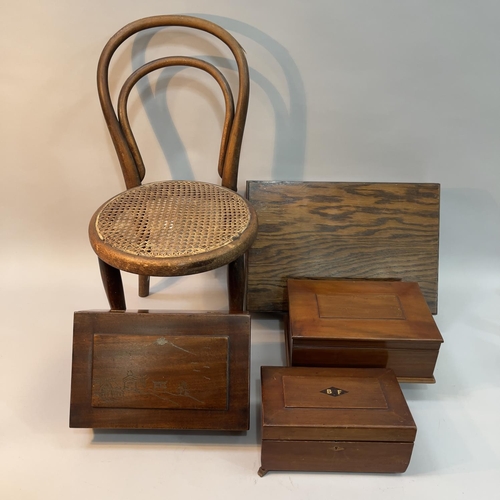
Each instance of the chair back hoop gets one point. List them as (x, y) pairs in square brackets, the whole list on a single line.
[(118, 124)]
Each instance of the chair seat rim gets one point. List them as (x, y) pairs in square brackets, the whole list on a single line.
[(173, 265)]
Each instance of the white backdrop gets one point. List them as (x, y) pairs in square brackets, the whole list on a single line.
[(346, 90)]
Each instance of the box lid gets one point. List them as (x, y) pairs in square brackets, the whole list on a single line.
[(343, 312), (160, 370), (337, 404)]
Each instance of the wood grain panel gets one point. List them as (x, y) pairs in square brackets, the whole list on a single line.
[(153, 371), (318, 392), (351, 306), (341, 230)]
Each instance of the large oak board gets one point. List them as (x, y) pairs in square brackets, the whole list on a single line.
[(341, 230)]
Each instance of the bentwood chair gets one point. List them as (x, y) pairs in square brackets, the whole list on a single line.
[(174, 227)]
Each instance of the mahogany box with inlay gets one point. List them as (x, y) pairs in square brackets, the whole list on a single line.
[(351, 323), (334, 419), (160, 370)]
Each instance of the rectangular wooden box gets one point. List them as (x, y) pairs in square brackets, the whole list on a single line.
[(349, 323), (334, 419), (341, 230), (160, 370)]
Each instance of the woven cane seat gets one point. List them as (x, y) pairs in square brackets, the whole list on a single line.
[(155, 227)]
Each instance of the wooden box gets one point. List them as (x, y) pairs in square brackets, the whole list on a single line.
[(160, 370), (334, 419), (341, 230), (346, 323)]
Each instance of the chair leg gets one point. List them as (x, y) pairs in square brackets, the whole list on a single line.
[(143, 285), (113, 286), (236, 284)]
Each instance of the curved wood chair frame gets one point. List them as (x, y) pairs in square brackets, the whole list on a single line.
[(112, 259)]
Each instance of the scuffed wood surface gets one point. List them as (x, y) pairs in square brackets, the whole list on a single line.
[(161, 370), (341, 230)]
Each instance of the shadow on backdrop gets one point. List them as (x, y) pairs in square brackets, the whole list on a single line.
[(290, 121)]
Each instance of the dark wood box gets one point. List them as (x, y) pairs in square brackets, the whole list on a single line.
[(349, 323), (334, 419), (160, 370)]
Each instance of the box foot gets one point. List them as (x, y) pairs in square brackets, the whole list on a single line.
[(262, 472)]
